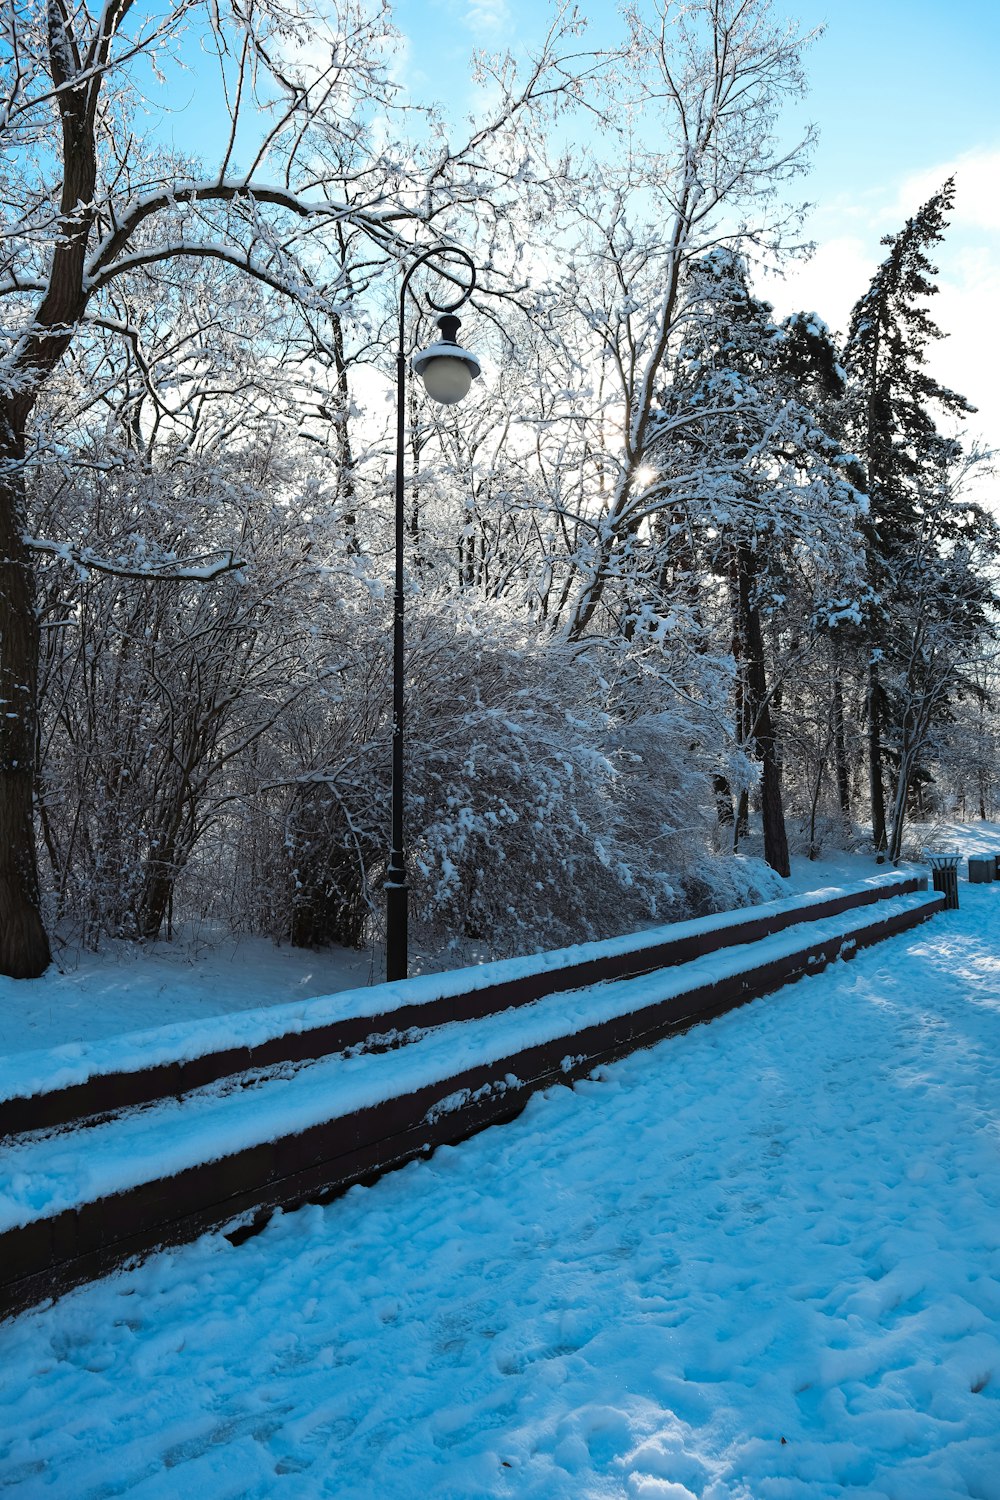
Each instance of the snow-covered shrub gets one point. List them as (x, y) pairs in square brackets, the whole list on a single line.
[(513, 790), (724, 883), (156, 692), (548, 802)]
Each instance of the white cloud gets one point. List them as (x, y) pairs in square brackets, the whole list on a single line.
[(967, 307), (829, 283), (488, 19), (977, 190)]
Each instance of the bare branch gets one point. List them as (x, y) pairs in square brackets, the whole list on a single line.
[(85, 560)]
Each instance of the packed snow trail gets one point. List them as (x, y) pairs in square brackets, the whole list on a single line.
[(758, 1262)]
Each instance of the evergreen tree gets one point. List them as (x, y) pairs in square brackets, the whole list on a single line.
[(765, 492), (808, 356), (891, 403)]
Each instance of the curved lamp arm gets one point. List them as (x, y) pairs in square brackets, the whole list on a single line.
[(446, 369), (439, 307)]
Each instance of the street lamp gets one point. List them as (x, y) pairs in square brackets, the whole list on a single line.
[(447, 371)]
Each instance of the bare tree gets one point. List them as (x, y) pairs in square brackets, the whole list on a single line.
[(707, 81), (88, 207)]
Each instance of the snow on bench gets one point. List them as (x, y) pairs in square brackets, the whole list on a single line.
[(57, 1085), (74, 1203)]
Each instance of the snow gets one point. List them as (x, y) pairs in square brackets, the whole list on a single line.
[(127, 989), (757, 1262), (220, 989), (46, 1173)]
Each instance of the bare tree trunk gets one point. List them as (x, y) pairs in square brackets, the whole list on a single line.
[(416, 448), (742, 715), (723, 794), (741, 825), (907, 762), (24, 947), (840, 748), (981, 771), (814, 848), (342, 430), (157, 895), (759, 712), (875, 761)]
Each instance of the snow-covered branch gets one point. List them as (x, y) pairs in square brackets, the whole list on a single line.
[(154, 569)]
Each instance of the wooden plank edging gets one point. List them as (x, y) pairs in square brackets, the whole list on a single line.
[(48, 1256), (104, 1094)]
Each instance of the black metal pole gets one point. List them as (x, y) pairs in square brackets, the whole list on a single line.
[(396, 888)]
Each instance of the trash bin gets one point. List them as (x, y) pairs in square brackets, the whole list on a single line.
[(945, 878), (982, 869)]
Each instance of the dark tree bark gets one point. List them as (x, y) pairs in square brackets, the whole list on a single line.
[(743, 715), (157, 896), (876, 785), (758, 712), (346, 489), (723, 794), (24, 947), (840, 749)]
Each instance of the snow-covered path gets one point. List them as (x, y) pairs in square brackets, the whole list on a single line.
[(758, 1261)]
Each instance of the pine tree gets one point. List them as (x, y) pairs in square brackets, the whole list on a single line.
[(808, 357), (892, 397), (772, 504)]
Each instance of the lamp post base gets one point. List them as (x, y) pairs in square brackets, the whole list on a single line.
[(396, 915)]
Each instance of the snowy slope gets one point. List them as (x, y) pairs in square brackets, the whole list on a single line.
[(779, 1226), (88, 996)]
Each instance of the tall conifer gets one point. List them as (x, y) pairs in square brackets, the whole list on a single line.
[(892, 397), (766, 494)]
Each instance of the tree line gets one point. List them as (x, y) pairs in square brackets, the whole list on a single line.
[(685, 582)]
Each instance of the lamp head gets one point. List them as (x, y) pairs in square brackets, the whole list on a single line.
[(446, 369)]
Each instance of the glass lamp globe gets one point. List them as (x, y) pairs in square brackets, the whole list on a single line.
[(446, 369), (447, 379)]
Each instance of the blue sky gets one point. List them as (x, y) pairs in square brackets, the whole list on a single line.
[(897, 85), (892, 82), (903, 92)]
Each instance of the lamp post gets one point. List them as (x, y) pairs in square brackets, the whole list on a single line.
[(447, 371)]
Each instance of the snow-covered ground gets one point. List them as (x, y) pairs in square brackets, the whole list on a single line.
[(86, 996), (23, 1073), (758, 1262)]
